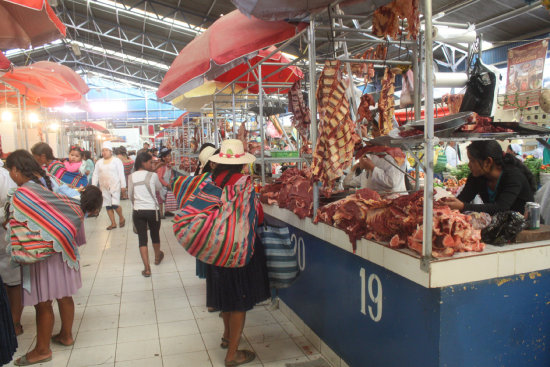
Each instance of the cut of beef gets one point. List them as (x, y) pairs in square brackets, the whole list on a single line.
[(385, 20), (301, 118), (293, 191)]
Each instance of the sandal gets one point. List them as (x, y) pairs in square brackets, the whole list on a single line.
[(161, 256), (146, 274), (23, 361), (111, 227), (55, 340), (248, 357), (122, 223), (224, 344)]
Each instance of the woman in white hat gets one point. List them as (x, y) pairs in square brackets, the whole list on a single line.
[(109, 173), (234, 291)]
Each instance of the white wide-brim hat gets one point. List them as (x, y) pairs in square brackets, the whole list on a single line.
[(107, 145), (205, 155), (232, 152)]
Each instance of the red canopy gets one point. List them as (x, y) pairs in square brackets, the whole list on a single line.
[(225, 44), (25, 23), (289, 74), (5, 64), (66, 73), (41, 86), (93, 125)]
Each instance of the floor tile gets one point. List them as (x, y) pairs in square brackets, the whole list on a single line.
[(277, 350), (185, 327), (137, 350), (91, 356), (94, 338), (147, 362), (181, 344), (194, 359), (137, 333)]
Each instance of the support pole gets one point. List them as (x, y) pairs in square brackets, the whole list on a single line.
[(429, 144), (313, 104), (261, 122)]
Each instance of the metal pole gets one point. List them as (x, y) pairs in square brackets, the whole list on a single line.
[(416, 65), (313, 104), (480, 48), (429, 144), (261, 121), (24, 122), (234, 113), (216, 139), (350, 76)]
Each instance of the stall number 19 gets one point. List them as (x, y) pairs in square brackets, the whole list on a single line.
[(375, 311)]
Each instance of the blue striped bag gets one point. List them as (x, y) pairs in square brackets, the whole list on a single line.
[(282, 259)]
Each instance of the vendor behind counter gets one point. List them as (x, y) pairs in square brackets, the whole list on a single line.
[(501, 180)]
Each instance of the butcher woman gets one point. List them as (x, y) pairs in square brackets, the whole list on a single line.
[(501, 180)]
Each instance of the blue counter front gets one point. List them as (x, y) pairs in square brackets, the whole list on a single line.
[(371, 316)]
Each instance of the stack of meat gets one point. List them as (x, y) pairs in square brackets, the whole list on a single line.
[(481, 124), (385, 21), (337, 137), (293, 191), (301, 118), (386, 104), (399, 221), (366, 70)]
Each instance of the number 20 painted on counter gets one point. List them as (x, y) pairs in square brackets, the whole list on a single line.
[(376, 299)]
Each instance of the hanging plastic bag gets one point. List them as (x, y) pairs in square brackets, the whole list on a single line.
[(407, 90), (481, 90)]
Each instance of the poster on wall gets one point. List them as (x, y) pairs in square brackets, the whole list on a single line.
[(525, 74)]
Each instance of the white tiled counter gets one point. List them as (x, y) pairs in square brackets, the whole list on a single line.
[(378, 307)]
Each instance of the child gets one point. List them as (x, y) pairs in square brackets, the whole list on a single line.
[(76, 154)]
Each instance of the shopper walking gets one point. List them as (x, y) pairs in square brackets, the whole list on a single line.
[(10, 273), (88, 166), (43, 154), (52, 270), (109, 173), (128, 164), (234, 291), (164, 172), (142, 186)]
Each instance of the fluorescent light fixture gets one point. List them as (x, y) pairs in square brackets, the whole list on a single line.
[(68, 109), (7, 116), (120, 55), (151, 17), (108, 106)]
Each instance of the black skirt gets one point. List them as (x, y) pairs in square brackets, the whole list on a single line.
[(8, 341), (238, 289)]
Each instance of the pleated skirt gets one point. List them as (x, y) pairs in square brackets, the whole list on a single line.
[(238, 289), (8, 341)]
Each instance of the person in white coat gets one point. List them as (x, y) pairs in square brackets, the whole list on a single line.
[(10, 272), (377, 173), (451, 153), (109, 173)]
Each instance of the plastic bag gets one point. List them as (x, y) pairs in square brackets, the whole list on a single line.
[(407, 90), (504, 228), (480, 94)]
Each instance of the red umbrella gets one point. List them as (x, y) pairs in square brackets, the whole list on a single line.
[(289, 74), (5, 64), (66, 73), (41, 86), (226, 43), (25, 23)]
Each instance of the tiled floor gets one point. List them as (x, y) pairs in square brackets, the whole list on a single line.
[(124, 319)]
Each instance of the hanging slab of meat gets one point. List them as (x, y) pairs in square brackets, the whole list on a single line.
[(337, 137), (188, 164), (242, 135), (385, 21), (364, 112), (453, 102), (293, 191), (366, 70), (301, 114), (386, 104)]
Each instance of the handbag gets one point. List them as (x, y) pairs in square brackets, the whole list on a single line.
[(218, 226), (282, 259), (170, 204)]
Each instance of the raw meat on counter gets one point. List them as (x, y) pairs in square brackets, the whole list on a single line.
[(293, 191), (337, 137), (399, 221), (385, 21)]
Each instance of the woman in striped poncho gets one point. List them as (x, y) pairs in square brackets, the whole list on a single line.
[(43, 154), (44, 229)]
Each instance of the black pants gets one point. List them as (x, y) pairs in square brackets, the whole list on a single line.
[(143, 219)]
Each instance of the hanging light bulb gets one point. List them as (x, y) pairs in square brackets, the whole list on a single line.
[(33, 118)]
